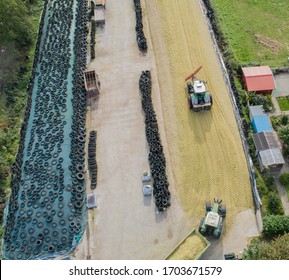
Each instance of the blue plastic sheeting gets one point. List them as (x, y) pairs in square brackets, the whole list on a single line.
[(45, 215), (261, 123)]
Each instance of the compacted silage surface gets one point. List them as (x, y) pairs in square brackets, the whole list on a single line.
[(45, 215)]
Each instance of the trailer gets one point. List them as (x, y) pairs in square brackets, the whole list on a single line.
[(99, 12), (192, 247), (91, 82)]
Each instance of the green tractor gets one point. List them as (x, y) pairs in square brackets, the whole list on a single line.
[(199, 99), (213, 223)]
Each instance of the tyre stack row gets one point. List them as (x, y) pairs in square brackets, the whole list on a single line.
[(156, 156), (46, 211), (92, 39), (140, 37), (91, 11), (92, 164)]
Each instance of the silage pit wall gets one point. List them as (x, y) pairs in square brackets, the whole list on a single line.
[(45, 216)]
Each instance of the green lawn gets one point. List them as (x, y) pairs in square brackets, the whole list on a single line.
[(283, 103), (242, 20)]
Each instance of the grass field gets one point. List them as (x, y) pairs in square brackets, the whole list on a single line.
[(256, 30), (283, 103)]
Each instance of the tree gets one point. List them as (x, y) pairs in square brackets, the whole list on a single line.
[(15, 25), (259, 99), (277, 249)]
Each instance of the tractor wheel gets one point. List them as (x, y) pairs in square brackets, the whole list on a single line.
[(201, 225), (220, 232), (208, 206), (189, 87), (223, 211), (189, 103), (198, 109)]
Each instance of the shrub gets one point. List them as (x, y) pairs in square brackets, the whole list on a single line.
[(274, 225), (270, 181), (284, 119), (277, 249), (275, 204), (275, 121), (284, 179), (285, 151), (283, 133)]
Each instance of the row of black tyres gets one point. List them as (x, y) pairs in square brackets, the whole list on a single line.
[(92, 164), (140, 37), (156, 156), (92, 39)]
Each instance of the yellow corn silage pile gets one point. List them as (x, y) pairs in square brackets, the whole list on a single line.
[(205, 149), (192, 247)]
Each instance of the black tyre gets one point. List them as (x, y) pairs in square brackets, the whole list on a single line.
[(220, 232), (223, 211), (201, 225), (211, 100), (208, 206), (189, 88)]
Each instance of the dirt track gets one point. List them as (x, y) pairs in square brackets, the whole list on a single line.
[(205, 148)]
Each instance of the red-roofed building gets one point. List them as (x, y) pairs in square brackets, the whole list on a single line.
[(259, 79)]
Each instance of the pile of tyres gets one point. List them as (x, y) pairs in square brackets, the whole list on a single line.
[(92, 164), (140, 37), (45, 215), (156, 156)]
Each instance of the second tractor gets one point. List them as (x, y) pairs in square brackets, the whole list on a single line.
[(212, 224)]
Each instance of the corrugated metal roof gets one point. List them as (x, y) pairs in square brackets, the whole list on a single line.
[(266, 140), (258, 78), (271, 157), (256, 71), (261, 123), (256, 111)]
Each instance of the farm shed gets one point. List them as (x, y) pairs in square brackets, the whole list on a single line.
[(261, 123), (259, 79), (256, 110), (266, 140), (272, 159)]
